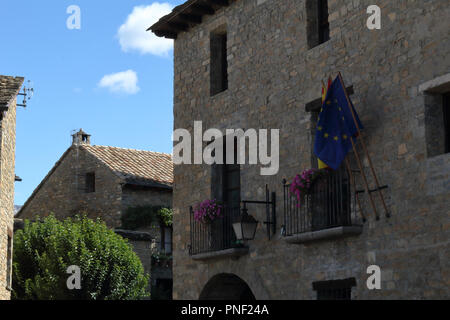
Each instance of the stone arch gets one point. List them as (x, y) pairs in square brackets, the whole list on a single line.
[(226, 286)]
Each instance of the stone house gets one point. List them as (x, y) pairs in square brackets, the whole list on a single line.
[(259, 64), (103, 182), (9, 89)]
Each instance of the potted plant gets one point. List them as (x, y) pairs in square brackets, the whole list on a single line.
[(302, 183)]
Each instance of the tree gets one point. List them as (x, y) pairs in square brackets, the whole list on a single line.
[(44, 250)]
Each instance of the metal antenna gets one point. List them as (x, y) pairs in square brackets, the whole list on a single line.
[(28, 92)]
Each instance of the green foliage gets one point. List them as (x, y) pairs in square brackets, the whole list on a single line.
[(142, 216), (43, 251), (159, 257), (166, 216)]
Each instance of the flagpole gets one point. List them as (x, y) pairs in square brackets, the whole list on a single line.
[(353, 181), (366, 184), (365, 149)]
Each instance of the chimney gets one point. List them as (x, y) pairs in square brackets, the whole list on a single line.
[(81, 137)]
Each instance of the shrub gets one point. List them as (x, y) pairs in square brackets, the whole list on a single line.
[(43, 251)]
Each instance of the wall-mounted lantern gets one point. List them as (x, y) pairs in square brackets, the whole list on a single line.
[(245, 227)]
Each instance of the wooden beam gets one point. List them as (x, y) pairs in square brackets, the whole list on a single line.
[(222, 3), (190, 18), (202, 9), (166, 34), (178, 26)]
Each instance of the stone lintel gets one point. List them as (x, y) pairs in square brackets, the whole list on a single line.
[(234, 253), (438, 85), (333, 233)]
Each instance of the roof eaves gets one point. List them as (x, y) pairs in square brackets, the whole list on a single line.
[(186, 16)]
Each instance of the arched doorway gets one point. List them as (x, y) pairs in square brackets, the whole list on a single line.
[(226, 286)]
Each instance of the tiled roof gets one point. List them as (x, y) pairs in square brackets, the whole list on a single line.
[(9, 88), (136, 167)]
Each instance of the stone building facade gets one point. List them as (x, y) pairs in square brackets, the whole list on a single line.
[(271, 59), (9, 88), (103, 182)]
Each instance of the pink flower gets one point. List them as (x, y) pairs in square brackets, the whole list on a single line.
[(207, 210), (302, 183)]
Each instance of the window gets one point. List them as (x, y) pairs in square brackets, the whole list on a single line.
[(226, 179), (166, 240), (9, 260), (330, 201), (232, 181), (90, 182), (318, 26), (85, 138), (218, 64), (324, 25), (335, 289), (437, 123), (446, 113)]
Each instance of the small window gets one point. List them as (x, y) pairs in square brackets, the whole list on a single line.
[(324, 25), (218, 64), (446, 113), (9, 256), (166, 240), (90, 182), (318, 27), (334, 289), (437, 123)]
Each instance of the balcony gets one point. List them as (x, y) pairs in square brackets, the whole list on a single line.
[(327, 212), (216, 239)]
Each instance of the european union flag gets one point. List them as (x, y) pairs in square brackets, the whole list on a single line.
[(335, 127)]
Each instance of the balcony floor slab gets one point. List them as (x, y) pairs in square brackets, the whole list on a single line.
[(233, 253), (320, 235)]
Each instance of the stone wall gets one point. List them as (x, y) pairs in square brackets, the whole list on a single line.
[(63, 191), (7, 178), (272, 74), (132, 197)]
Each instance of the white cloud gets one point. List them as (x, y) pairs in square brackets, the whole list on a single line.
[(125, 82), (133, 35)]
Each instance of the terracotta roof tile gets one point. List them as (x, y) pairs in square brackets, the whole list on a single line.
[(136, 166)]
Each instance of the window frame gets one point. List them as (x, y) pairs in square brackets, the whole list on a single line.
[(163, 243), (90, 186), (322, 21), (218, 61), (334, 289), (231, 171), (446, 116)]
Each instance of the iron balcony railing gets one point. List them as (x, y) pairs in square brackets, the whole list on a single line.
[(214, 236), (330, 203)]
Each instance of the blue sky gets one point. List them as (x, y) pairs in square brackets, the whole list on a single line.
[(131, 109)]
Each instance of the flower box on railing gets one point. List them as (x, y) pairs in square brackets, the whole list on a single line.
[(329, 203), (217, 235)]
